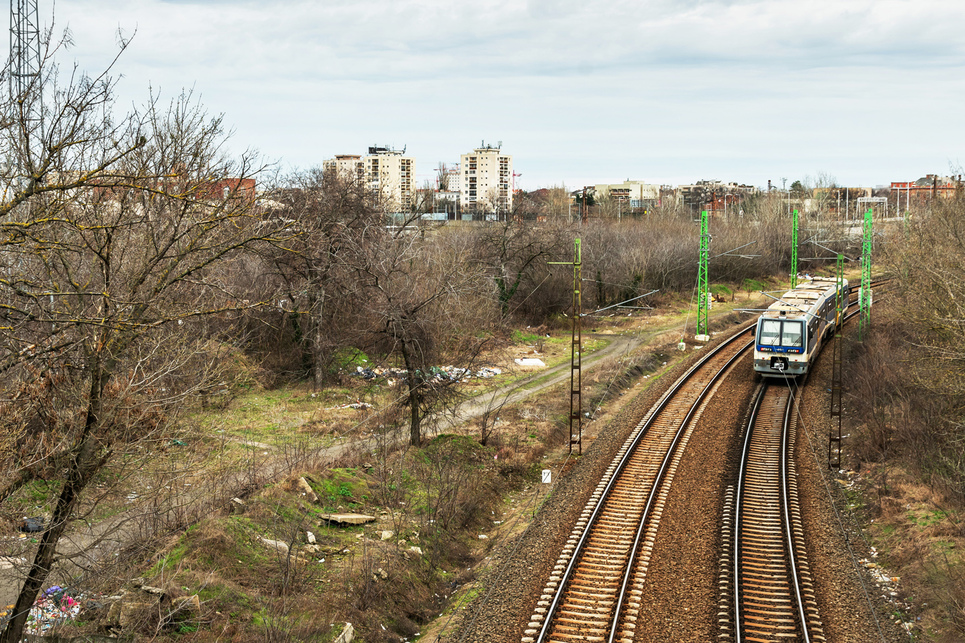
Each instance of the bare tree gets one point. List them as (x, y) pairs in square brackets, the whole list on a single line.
[(331, 215), (110, 241), (424, 301), (515, 252)]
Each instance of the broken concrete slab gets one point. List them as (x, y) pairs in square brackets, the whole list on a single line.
[(274, 544), (302, 487)]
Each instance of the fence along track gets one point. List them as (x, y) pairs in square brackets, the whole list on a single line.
[(596, 578), (774, 595)]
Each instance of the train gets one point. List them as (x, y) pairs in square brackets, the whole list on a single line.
[(791, 331)]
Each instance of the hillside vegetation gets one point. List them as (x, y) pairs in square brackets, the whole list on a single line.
[(200, 378), (908, 402)]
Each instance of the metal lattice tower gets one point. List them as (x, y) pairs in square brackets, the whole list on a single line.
[(834, 433), (794, 251), (24, 64), (576, 349), (703, 289), (576, 355), (864, 295)]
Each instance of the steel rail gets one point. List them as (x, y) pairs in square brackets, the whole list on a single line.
[(645, 517), (739, 500), (566, 577), (786, 508)]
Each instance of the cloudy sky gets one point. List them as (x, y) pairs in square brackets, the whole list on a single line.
[(578, 91)]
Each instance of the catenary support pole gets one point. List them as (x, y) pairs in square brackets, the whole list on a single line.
[(703, 289), (834, 432), (864, 295), (794, 250), (576, 350)]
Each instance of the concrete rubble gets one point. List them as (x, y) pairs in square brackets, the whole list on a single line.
[(440, 373)]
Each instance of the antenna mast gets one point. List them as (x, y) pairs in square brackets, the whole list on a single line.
[(25, 90)]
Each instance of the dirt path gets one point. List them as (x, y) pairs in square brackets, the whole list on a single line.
[(521, 389)]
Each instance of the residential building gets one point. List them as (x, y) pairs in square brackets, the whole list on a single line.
[(930, 186), (634, 194), (347, 166), (388, 173), (487, 176), (717, 197), (391, 175)]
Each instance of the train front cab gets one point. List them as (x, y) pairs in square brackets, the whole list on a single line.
[(780, 347)]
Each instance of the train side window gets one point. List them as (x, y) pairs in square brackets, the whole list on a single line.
[(770, 332), (792, 335)]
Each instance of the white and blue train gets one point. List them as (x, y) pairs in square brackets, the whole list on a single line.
[(790, 332)]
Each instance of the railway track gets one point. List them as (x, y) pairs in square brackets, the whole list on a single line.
[(767, 590), (594, 590)]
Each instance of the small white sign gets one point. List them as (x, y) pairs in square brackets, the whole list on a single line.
[(547, 476)]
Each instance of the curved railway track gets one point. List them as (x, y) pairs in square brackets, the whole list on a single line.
[(767, 592), (765, 585), (593, 592)]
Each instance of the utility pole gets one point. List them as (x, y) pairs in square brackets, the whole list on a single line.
[(25, 89), (26, 92), (584, 208), (834, 432), (576, 349)]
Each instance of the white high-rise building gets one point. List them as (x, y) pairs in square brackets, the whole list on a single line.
[(386, 172), (391, 176), (347, 166), (487, 177)]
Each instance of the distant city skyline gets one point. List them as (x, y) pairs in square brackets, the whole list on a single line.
[(579, 92)]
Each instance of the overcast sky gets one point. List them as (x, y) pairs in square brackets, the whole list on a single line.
[(578, 91)]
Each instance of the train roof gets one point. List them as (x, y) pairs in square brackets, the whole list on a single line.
[(802, 298)]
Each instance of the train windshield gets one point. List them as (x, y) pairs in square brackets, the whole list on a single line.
[(776, 332)]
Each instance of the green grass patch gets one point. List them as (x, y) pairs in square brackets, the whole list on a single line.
[(753, 285), (522, 337), (345, 487), (171, 560), (349, 358), (927, 518)]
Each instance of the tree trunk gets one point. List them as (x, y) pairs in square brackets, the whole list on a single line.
[(412, 399), (43, 561), (83, 465), (318, 335)]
